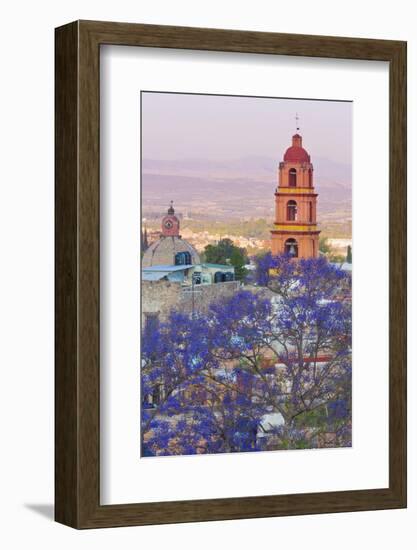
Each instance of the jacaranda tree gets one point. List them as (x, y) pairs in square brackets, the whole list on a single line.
[(278, 349)]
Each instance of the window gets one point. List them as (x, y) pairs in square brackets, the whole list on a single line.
[(291, 211), (310, 178), (291, 248), (223, 276), (292, 175), (218, 277), (197, 277), (310, 212), (183, 258)]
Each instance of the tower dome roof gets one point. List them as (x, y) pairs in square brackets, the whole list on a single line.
[(296, 153)]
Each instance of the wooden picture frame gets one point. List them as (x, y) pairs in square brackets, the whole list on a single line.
[(77, 405)]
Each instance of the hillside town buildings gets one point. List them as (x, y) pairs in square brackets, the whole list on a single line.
[(173, 274)]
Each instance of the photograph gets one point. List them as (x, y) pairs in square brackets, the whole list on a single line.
[(246, 274), (210, 256)]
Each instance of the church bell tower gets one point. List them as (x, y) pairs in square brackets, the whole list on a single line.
[(295, 229), (170, 223)]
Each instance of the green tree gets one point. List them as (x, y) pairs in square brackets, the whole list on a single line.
[(225, 252), (326, 249), (237, 259), (349, 255), (324, 246)]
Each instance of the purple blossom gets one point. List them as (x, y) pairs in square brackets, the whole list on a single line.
[(211, 378)]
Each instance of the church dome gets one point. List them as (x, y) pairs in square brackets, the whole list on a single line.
[(166, 251), (170, 248), (296, 153)]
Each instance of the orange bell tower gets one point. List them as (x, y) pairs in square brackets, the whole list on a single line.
[(295, 228)]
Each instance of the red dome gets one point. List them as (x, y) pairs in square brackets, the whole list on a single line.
[(296, 154)]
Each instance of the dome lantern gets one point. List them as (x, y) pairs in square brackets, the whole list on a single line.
[(170, 223)]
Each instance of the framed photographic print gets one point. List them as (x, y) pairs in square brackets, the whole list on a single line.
[(230, 274)]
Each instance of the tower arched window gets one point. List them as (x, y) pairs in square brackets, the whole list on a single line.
[(310, 178), (310, 212), (183, 258), (291, 248), (291, 211), (292, 177)]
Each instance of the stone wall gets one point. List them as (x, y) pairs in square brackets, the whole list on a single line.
[(160, 297)]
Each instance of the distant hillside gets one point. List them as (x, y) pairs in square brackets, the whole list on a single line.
[(240, 188)]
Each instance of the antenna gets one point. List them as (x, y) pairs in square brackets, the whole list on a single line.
[(297, 128)]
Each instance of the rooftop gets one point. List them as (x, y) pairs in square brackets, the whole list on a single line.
[(223, 266), (166, 268)]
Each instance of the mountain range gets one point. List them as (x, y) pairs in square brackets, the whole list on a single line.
[(237, 188)]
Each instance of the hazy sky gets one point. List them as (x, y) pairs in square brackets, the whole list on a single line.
[(183, 126)]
